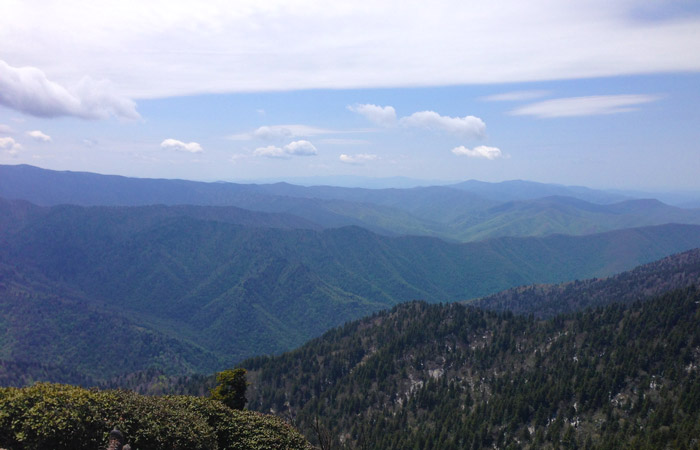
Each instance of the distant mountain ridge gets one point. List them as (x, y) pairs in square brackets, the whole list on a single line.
[(463, 212), (528, 190)]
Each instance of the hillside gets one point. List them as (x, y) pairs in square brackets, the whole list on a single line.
[(548, 300), (566, 215), (196, 294), (51, 332), (61, 417), (674, 272), (464, 212), (453, 377)]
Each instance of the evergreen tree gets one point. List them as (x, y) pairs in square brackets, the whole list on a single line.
[(231, 388)]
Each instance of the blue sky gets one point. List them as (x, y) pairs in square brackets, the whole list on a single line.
[(596, 93)]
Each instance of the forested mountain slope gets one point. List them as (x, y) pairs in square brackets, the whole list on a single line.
[(550, 215), (548, 300), (674, 272), (49, 331), (453, 377), (194, 293)]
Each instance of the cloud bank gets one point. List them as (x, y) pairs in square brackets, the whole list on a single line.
[(481, 151), (28, 90), (174, 144), (228, 46), (584, 106), (295, 148)]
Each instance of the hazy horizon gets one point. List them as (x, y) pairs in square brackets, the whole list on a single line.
[(678, 197)]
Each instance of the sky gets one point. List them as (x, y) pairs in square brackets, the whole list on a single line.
[(599, 93)]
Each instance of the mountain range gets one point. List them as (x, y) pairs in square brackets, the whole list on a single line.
[(476, 315), (466, 211), (195, 289)]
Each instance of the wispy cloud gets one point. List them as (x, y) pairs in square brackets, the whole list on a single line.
[(515, 96), (174, 144), (28, 90), (39, 136), (271, 151), (10, 146), (6, 129), (239, 157), (280, 132), (341, 141), (585, 106), (468, 126), (481, 151), (295, 148), (380, 115), (357, 159)]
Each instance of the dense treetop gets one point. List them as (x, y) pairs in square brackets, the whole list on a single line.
[(453, 376)]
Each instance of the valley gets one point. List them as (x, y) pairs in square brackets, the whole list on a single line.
[(387, 336)]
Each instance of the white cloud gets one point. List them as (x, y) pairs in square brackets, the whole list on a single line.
[(266, 132), (584, 106), (381, 115), (515, 96), (174, 144), (481, 151), (301, 148), (39, 136), (28, 90), (295, 148), (98, 100), (468, 126), (163, 48), (279, 132), (9, 145), (6, 129), (359, 158)]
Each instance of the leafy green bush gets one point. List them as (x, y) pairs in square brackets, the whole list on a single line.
[(57, 417)]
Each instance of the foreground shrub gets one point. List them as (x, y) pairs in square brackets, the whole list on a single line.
[(58, 417)]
